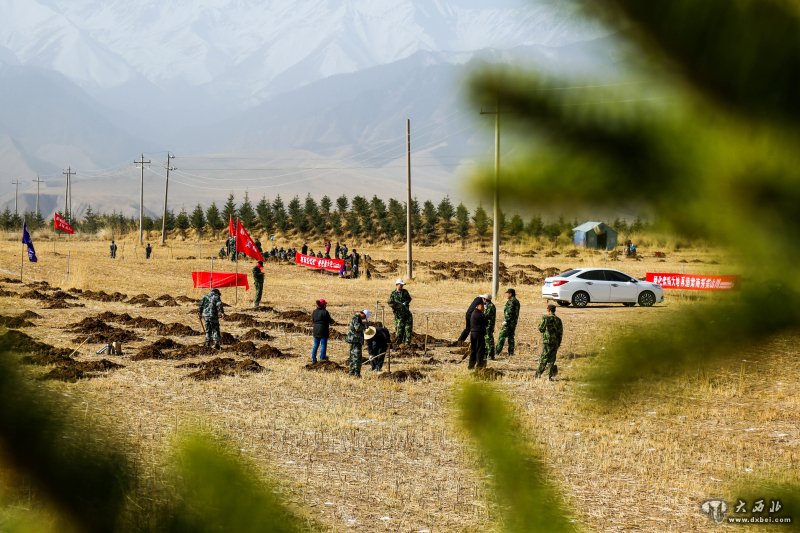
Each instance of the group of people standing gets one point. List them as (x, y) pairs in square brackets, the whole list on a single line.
[(480, 324)]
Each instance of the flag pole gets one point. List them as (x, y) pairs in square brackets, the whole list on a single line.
[(212, 272), (22, 260)]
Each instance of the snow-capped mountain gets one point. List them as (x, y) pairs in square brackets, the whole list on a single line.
[(93, 83)]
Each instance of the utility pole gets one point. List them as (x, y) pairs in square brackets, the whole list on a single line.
[(409, 269), (16, 193), (68, 194), (141, 163), (496, 215), (166, 190), (37, 181)]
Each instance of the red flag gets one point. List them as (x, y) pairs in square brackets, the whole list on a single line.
[(231, 231), (60, 223), (221, 279), (245, 244)]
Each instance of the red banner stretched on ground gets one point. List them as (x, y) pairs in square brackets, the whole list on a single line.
[(334, 265), (221, 279), (245, 244), (693, 282), (60, 223)]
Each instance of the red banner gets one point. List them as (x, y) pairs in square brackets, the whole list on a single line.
[(245, 244), (221, 279), (334, 265), (693, 282), (231, 231), (60, 224)]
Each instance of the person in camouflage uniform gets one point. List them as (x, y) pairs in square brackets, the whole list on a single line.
[(355, 338), (399, 301), (210, 310), (258, 283), (510, 317), (552, 330), (490, 311)]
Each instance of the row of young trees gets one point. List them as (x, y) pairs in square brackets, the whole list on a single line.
[(372, 220)]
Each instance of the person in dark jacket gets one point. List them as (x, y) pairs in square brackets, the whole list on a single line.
[(322, 328), (468, 316), (378, 339), (477, 338)]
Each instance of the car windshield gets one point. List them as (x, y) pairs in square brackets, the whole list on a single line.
[(567, 273)]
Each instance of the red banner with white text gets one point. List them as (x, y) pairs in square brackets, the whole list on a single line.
[(60, 223), (221, 279), (693, 282), (333, 265)]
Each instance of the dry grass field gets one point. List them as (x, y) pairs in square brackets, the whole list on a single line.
[(375, 455)]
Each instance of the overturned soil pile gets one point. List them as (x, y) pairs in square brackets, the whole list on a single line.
[(15, 322), (43, 285), (227, 338), (10, 280), (61, 295), (114, 317), (246, 347), (487, 374), (143, 302), (431, 361), (400, 376), (184, 299), (295, 315), (246, 321), (270, 352), (150, 352), (30, 314), (325, 366), (21, 343), (170, 303), (417, 338), (61, 304), (177, 330), (221, 366), (72, 371), (4, 293), (166, 344), (193, 350), (34, 295), (102, 296), (99, 331), (257, 335)]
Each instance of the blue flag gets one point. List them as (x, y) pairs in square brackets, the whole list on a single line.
[(26, 239)]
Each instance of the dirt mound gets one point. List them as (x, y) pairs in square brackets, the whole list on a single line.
[(325, 366), (34, 295), (99, 331), (247, 347), (184, 299), (164, 298), (22, 343), (61, 295), (15, 322), (270, 352), (43, 285), (193, 350), (72, 371), (11, 280), (487, 374), (149, 352), (102, 296), (246, 321), (166, 344), (170, 303), (221, 366), (143, 302), (295, 315), (431, 361), (400, 376), (61, 304), (257, 335), (177, 330), (30, 314), (227, 338), (4, 293), (417, 338)]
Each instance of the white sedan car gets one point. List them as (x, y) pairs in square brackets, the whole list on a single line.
[(580, 286)]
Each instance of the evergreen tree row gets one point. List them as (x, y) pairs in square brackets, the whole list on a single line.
[(369, 219)]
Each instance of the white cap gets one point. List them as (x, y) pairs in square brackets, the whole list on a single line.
[(366, 313), (399, 281), (485, 296)]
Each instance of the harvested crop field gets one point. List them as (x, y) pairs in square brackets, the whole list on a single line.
[(350, 452)]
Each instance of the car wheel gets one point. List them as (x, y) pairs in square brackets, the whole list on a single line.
[(563, 303), (647, 298), (580, 299), (629, 304)]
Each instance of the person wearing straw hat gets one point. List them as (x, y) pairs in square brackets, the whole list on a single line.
[(378, 340), (355, 338), (399, 301), (322, 321)]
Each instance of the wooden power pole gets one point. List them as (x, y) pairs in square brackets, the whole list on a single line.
[(15, 183), (37, 181), (141, 163), (409, 268), (166, 190), (496, 208)]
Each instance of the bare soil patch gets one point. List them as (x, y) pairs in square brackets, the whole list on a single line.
[(257, 335), (325, 366), (99, 331), (15, 322), (487, 374), (221, 366), (400, 376), (72, 371)]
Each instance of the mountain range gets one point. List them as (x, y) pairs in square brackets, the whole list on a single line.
[(273, 97)]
